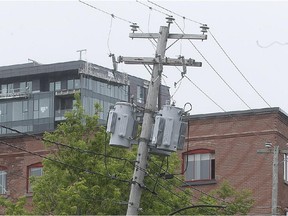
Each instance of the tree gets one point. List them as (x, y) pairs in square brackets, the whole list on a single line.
[(90, 177), (75, 182)]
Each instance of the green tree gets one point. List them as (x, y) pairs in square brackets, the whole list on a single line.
[(14, 207), (83, 183), (90, 183)]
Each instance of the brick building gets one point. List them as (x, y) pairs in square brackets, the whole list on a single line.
[(223, 146)]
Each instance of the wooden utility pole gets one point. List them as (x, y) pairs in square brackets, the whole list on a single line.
[(275, 169), (151, 102)]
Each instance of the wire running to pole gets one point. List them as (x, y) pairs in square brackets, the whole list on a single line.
[(211, 66), (65, 164), (174, 12), (233, 63), (105, 12), (66, 146)]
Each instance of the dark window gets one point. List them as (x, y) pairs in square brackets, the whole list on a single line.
[(199, 165), (36, 85)]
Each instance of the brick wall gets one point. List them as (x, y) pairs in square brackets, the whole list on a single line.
[(236, 137), (16, 161)]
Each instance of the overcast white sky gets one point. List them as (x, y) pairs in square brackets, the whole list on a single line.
[(52, 31)]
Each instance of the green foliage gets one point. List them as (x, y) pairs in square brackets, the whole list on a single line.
[(235, 201), (15, 207), (84, 183)]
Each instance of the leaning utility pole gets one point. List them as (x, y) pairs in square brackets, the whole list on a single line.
[(151, 102)]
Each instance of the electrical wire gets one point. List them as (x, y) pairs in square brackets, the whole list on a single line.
[(110, 29), (151, 8), (105, 12), (65, 164), (66, 146), (211, 66), (221, 47), (174, 13), (233, 63)]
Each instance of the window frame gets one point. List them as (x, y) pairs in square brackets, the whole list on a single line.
[(212, 171), (285, 168), (28, 184), (4, 191)]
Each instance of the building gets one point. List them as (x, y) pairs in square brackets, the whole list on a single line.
[(34, 98), (223, 146)]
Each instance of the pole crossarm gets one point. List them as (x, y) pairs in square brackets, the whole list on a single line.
[(165, 61), (170, 36), (263, 151)]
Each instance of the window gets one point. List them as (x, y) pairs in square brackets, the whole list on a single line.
[(34, 170), (199, 165), (140, 94), (3, 180), (286, 167)]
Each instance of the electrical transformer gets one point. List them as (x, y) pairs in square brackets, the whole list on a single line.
[(122, 125), (169, 130)]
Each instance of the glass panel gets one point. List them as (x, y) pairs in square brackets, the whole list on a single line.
[(44, 108), (29, 86), (22, 86), (3, 176), (70, 84), (36, 104), (57, 86), (10, 88), (36, 86), (17, 111), (64, 84), (199, 167), (37, 171), (51, 86), (3, 89), (77, 83)]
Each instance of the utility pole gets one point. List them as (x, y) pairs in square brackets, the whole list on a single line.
[(275, 180), (151, 102), (275, 169)]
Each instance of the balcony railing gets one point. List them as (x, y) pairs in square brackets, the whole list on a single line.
[(15, 93), (66, 91)]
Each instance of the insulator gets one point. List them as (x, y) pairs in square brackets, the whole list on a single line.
[(134, 27), (170, 19), (204, 28)]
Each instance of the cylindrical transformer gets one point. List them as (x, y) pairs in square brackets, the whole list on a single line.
[(122, 124), (166, 131)]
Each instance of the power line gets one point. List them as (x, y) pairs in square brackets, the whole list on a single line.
[(174, 13), (65, 164), (238, 69), (151, 8), (105, 12), (206, 94), (66, 146), (211, 66), (229, 58)]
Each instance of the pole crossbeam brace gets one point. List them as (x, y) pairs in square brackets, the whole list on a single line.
[(170, 36), (165, 61)]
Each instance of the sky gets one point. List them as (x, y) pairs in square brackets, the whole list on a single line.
[(254, 34)]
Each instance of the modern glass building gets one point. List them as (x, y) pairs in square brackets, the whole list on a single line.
[(34, 97)]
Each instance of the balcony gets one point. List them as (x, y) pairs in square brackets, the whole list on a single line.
[(64, 92), (14, 93)]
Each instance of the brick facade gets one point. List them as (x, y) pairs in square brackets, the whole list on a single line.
[(235, 137)]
